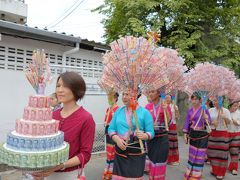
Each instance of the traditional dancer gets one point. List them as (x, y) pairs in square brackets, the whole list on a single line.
[(137, 65), (110, 147), (195, 133), (218, 143), (234, 133), (129, 159), (158, 147), (173, 155)]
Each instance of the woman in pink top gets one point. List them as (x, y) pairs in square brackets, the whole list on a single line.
[(158, 147), (76, 123)]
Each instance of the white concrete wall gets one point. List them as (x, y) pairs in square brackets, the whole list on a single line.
[(13, 10), (15, 89)]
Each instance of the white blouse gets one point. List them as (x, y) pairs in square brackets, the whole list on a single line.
[(173, 113), (214, 115), (236, 117)]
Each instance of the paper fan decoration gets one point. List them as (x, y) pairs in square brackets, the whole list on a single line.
[(173, 68), (129, 64), (38, 72), (209, 80), (234, 91)]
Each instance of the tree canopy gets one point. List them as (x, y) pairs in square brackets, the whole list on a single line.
[(201, 30)]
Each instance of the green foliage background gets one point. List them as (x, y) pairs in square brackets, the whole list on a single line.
[(201, 30)]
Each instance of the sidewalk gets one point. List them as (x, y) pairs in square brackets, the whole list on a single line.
[(96, 165)]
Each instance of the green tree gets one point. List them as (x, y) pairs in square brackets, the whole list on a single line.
[(202, 30)]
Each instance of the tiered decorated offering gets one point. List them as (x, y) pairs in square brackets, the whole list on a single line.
[(36, 142)]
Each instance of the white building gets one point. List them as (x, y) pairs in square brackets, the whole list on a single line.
[(13, 11), (65, 52)]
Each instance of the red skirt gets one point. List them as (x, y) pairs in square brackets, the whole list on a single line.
[(234, 149), (110, 152), (218, 151), (173, 154)]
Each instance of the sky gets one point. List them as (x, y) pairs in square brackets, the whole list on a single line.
[(81, 22)]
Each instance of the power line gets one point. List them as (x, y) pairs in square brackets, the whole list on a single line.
[(77, 25), (63, 13), (68, 14)]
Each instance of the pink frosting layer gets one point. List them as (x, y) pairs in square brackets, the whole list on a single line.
[(35, 128), (37, 114), (39, 101)]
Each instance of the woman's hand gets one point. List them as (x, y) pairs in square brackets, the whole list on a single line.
[(42, 174), (205, 116), (235, 122), (141, 135), (120, 142), (225, 118), (215, 123), (186, 138)]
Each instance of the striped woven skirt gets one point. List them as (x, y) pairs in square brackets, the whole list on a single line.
[(158, 149), (110, 152), (218, 151), (129, 164), (197, 154), (234, 149), (173, 155), (147, 162)]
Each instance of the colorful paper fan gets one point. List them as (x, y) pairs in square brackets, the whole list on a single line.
[(38, 72), (173, 68), (209, 80), (234, 91), (136, 64), (129, 64)]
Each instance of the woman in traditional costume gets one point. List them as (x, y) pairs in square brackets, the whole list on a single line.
[(195, 133), (110, 146), (218, 143), (173, 155), (234, 133), (158, 147), (129, 158)]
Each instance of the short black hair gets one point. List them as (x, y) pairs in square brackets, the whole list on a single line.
[(75, 83), (195, 94), (232, 103), (116, 95)]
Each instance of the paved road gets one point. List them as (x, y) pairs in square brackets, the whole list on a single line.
[(95, 167)]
